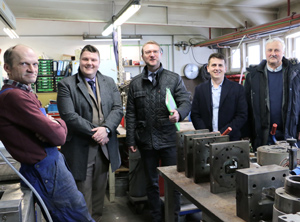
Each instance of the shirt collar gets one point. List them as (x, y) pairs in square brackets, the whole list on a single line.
[(212, 85), (149, 73), (279, 68), (18, 85), (93, 79), (159, 70)]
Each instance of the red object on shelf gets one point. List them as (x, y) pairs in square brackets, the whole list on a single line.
[(235, 77), (123, 121), (55, 115)]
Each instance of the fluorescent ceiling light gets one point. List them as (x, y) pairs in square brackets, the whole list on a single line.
[(108, 30), (293, 35), (109, 38), (127, 14), (124, 14), (11, 33)]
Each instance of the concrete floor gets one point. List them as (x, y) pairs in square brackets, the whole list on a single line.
[(122, 210)]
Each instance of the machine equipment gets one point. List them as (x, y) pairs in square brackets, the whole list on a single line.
[(201, 156), (188, 150), (16, 204), (255, 188), (225, 159), (180, 146)]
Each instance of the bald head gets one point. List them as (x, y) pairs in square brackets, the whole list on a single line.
[(12, 52), (21, 64)]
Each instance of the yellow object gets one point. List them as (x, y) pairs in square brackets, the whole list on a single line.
[(46, 97)]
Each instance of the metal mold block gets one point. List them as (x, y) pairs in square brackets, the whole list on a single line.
[(188, 150), (201, 157), (287, 198), (255, 188), (292, 185), (272, 154), (180, 146), (285, 203), (11, 210), (225, 159), (289, 218), (6, 173)]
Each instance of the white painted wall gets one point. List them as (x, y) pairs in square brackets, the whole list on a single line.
[(57, 38)]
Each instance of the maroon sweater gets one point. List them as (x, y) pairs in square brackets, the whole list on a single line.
[(20, 120)]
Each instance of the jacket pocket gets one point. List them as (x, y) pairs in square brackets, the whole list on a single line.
[(139, 99), (167, 131), (141, 133), (47, 174)]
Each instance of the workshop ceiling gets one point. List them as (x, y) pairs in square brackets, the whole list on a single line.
[(197, 13)]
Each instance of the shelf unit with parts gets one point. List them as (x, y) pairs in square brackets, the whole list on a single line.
[(133, 69)]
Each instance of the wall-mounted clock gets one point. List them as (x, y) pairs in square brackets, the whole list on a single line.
[(191, 70)]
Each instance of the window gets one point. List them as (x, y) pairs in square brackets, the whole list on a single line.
[(235, 59), (297, 46), (253, 54)]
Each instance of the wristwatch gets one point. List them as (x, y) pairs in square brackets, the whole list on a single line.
[(107, 130)]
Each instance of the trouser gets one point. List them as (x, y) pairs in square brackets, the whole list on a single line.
[(93, 187), (151, 160), (56, 186)]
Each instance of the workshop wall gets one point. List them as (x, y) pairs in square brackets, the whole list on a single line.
[(56, 38)]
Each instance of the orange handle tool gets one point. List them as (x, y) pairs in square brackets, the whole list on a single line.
[(274, 128), (228, 130)]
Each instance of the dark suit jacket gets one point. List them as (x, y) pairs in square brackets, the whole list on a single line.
[(75, 108), (232, 109)]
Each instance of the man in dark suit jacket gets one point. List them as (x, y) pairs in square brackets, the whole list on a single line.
[(92, 112), (219, 103)]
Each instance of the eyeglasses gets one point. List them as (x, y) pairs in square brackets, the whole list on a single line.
[(149, 52)]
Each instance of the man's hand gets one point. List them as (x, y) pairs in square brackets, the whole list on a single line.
[(100, 135), (174, 117), (298, 135), (132, 149)]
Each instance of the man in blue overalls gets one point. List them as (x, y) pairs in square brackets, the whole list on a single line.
[(31, 137)]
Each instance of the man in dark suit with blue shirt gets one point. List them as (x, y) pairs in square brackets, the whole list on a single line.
[(219, 103)]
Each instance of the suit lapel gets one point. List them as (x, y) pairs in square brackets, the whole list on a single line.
[(82, 87), (102, 85), (208, 98), (224, 91)]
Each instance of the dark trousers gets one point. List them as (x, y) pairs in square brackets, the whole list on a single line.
[(56, 186), (150, 159)]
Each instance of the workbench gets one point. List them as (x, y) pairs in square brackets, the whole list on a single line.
[(16, 204), (214, 207)]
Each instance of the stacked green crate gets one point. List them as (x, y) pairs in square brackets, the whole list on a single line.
[(33, 87), (57, 79), (45, 79)]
